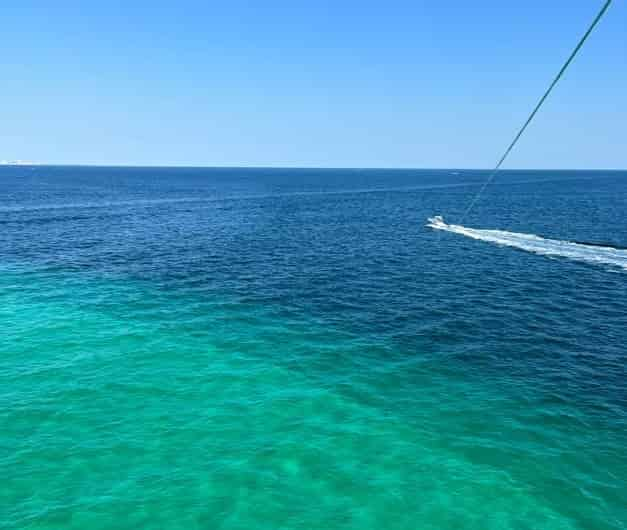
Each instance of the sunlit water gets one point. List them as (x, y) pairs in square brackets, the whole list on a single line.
[(236, 348)]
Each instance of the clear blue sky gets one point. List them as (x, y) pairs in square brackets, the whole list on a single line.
[(335, 84)]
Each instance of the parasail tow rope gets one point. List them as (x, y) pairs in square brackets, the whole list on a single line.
[(535, 110)]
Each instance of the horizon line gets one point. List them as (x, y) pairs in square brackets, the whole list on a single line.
[(287, 167)]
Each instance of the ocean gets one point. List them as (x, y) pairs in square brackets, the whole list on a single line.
[(189, 348)]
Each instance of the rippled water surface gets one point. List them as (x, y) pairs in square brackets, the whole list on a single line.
[(258, 348)]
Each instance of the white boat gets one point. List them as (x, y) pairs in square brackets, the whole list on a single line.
[(436, 222)]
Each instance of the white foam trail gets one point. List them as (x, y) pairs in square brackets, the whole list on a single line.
[(599, 255)]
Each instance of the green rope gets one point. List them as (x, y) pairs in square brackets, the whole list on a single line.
[(535, 110)]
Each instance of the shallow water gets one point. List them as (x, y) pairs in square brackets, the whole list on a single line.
[(237, 348)]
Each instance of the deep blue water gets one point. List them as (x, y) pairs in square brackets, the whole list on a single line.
[(294, 348)]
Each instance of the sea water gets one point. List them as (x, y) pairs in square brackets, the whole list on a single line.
[(274, 348)]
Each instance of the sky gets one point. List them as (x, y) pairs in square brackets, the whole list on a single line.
[(419, 84)]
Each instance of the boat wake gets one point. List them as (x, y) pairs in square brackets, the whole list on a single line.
[(596, 254)]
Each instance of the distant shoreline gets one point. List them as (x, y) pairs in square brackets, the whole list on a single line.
[(19, 163)]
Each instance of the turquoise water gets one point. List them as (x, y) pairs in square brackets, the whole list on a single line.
[(206, 348)]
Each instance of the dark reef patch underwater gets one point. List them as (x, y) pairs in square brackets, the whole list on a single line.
[(276, 348)]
